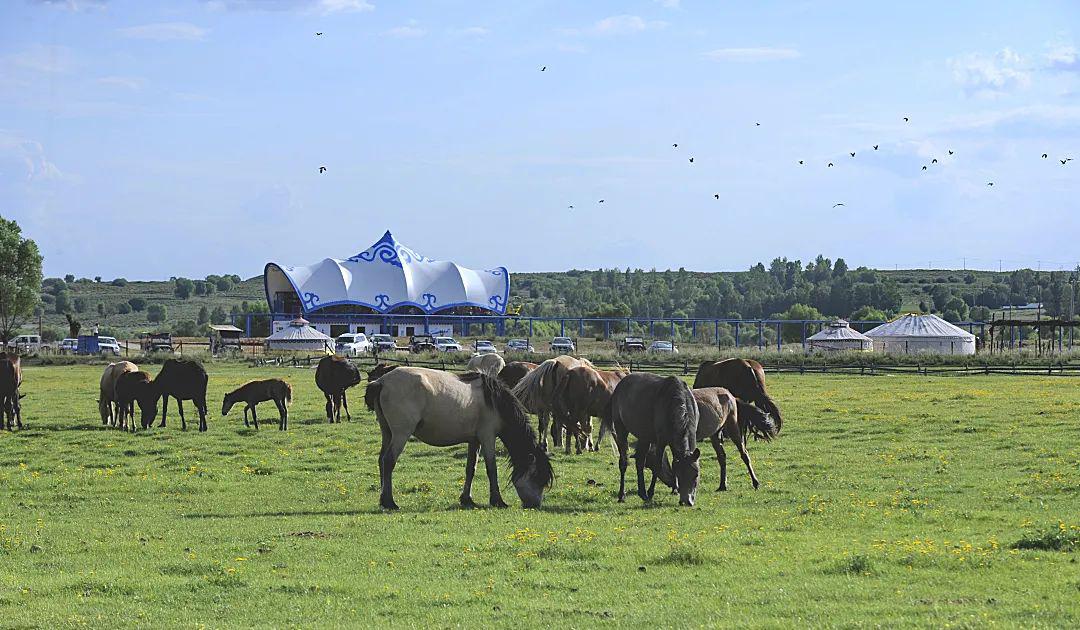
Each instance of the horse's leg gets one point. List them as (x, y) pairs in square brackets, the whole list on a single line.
[(618, 437), (721, 458), (641, 454), (345, 403), (337, 407), (180, 408), (246, 416), (254, 416), (200, 405), (387, 460), (164, 409), (659, 449), (283, 414), (544, 421), (470, 471), (329, 407), (487, 446), (741, 445)]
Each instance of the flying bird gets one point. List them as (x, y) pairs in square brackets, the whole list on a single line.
[(317, 34), (837, 204), (601, 201), (933, 161), (1065, 160), (852, 154), (543, 68), (989, 183), (906, 119), (676, 145), (569, 207), (951, 151), (875, 147), (322, 169), (691, 160), (830, 165), (924, 167), (716, 196), (1044, 156), (800, 161), (757, 124)]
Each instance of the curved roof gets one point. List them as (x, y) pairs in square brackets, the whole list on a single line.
[(913, 326), (298, 331), (388, 276), (839, 330)]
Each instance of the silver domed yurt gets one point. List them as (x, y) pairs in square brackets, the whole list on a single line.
[(915, 334), (299, 335), (839, 336)]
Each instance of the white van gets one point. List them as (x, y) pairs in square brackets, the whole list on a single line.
[(25, 344)]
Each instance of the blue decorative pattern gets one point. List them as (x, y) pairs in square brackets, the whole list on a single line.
[(498, 303), (429, 301), (311, 301), (390, 251), (496, 272), (382, 302)]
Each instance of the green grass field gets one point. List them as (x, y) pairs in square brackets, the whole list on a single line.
[(886, 501)]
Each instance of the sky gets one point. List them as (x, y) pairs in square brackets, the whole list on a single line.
[(154, 139)]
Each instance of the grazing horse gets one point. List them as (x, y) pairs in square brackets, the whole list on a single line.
[(744, 378), (585, 393), (538, 391), (107, 405), (132, 387), (379, 369), (662, 413), (10, 381), (721, 415), (255, 392), (183, 379), (490, 364), (515, 371), (333, 376), (444, 409)]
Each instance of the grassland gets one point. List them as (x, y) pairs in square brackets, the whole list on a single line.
[(886, 501)]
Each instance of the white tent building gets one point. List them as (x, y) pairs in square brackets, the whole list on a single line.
[(299, 335), (914, 334), (839, 336)]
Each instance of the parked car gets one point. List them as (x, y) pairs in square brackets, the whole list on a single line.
[(422, 343), (447, 344), (68, 345), (108, 345), (25, 344), (631, 344), (519, 345), (352, 344), (383, 343), (562, 344), (663, 347), (483, 346)]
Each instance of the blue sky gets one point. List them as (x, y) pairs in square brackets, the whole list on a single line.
[(149, 139)]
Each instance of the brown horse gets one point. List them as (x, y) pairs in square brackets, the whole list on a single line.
[(585, 393), (538, 391), (515, 371), (379, 369), (183, 379), (721, 415), (132, 387), (333, 376), (10, 381), (744, 378), (256, 392)]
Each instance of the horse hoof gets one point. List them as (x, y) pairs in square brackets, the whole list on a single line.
[(499, 504), (388, 505), (467, 502), (722, 489)]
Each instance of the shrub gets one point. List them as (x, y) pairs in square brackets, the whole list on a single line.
[(186, 328), (69, 278), (49, 335), (123, 308), (63, 302), (80, 304), (969, 278), (156, 313), (137, 304), (183, 288), (119, 282)]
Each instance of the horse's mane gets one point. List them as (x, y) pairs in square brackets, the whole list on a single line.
[(756, 421), (517, 434), (529, 390), (681, 404)]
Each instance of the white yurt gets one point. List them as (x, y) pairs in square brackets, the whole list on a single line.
[(914, 334), (839, 336), (299, 335)]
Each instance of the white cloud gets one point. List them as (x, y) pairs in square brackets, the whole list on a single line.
[(407, 31), (131, 83), (26, 154), (752, 54), (73, 5), (344, 6), (991, 75), (325, 7), (473, 31), (40, 59), (616, 25), (668, 4), (165, 31), (1063, 57)]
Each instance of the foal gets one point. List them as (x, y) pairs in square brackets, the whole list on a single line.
[(256, 392)]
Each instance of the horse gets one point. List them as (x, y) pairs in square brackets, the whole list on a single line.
[(515, 371), (183, 379), (333, 376), (661, 412), (490, 364), (132, 387), (255, 392), (538, 391), (744, 378), (379, 369), (444, 409), (10, 381), (107, 405), (585, 393)]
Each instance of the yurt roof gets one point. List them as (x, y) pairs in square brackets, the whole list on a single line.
[(838, 331), (298, 332), (920, 326)]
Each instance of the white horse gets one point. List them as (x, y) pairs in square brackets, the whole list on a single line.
[(490, 364), (444, 409)]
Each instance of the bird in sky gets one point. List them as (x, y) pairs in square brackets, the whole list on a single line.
[(601, 201), (951, 151), (716, 196), (906, 119), (543, 68), (675, 145), (852, 154), (989, 183), (569, 207), (691, 160), (837, 204), (924, 167), (1044, 156), (1065, 160), (875, 147), (757, 124), (317, 34), (322, 169), (800, 161), (830, 165), (933, 161)]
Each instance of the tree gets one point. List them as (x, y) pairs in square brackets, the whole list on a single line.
[(49, 335), (100, 309), (73, 325), (62, 303), (137, 304), (869, 314), (186, 328), (183, 288), (119, 282), (156, 313), (97, 279), (123, 308), (218, 316), (70, 279), (204, 315), (224, 284), (80, 304), (20, 278)]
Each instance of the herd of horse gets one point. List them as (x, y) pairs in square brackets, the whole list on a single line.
[(488, 403)]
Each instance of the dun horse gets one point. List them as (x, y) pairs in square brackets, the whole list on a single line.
[(107, 405), (490, 364), (744, 378), (256, 392), (538, 391), (443, 409), (585, 393), (662, 413)]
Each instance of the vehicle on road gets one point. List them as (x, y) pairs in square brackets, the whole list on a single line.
[(663, 347), (562, 344), (25, 344), (447, 344), (381, 342), (108, 345), (352, 344), (68, 345), (483, 346), (519, 345), (631, 344), (422, 343)]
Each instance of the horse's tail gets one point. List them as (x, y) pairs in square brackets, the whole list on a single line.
[(288, 393), (761, 396), (756, 421), (529, 390), (371, 397)]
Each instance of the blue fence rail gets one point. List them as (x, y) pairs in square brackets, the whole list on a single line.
[(746, 332)]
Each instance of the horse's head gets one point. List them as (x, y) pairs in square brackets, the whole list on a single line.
[(227, 403), (687, 471), (535, 480)]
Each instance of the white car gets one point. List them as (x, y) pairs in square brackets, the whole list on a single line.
[(519, 345), (108, 345), (352, 344), (383, 343), (447, 344), (483, 346), (663, 347), (562, 344), (25, 344), (68, 346)]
